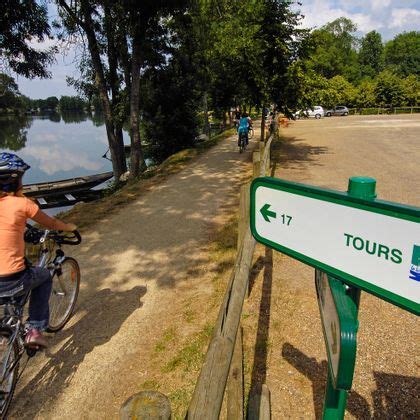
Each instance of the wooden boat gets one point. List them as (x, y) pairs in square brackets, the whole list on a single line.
[(67, 199), (83, 183)]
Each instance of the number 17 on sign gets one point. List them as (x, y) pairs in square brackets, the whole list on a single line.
[(266, 213)]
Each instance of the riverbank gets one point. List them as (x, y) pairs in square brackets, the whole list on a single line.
[(85, 215)]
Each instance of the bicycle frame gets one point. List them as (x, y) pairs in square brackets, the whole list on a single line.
[(13, 310), (13, 319)]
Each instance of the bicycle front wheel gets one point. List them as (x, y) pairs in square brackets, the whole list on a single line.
[(65, 289), (9, 368), (251, 133)]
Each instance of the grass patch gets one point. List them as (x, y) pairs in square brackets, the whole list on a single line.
[(150, 385), (189, 315), (179, 399), (168, 337), (191, 356)]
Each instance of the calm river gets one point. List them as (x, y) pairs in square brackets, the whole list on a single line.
[(57, 146)]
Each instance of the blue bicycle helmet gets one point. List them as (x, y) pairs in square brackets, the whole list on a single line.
[(12, 168)]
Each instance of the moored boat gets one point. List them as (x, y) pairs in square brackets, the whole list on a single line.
[(83, 183)]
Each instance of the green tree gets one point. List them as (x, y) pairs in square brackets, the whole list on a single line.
[(403, 53), (335, 52), (72, 103), (371, 54), (344, 92), (122, 37), (389, 89), (48, 104), (21, 22), (9, 93), (411, 87), (365, 94)]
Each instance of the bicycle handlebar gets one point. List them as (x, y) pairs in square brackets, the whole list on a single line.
[(33, 235), (76, 239)]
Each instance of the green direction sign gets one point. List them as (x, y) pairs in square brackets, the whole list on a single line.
[(339, 324), (371, 244)]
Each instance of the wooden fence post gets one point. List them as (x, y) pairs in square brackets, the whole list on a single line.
[(243, 221), (259, 407), (256, 156), (235, 385)]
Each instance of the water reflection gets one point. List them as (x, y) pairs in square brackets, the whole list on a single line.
[(13, 132), (57, 146), (73, 117), (97, 119)]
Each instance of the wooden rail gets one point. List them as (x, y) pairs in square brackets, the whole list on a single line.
[(208, 395)]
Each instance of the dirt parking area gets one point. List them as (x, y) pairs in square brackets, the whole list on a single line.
[(284, 346)]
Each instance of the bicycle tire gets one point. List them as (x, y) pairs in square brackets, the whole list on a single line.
[(6, 396), (61, 309), (251, 133)]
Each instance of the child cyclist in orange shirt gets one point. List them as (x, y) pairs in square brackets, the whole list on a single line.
[(15, 209)]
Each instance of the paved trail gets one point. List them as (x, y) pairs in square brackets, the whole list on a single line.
[(136, 265)]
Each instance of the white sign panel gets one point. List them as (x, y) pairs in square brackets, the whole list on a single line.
[(375, 248)]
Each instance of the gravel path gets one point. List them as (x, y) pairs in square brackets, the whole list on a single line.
[(136, 267), (291, 356)]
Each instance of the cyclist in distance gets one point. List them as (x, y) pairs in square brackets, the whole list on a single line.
[(15, 209), (237, 116), (244, 125)]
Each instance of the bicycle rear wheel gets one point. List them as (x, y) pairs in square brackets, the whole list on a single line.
[(9, 368), (65, 289)]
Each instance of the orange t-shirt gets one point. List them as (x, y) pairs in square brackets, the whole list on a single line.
[(14, 211)]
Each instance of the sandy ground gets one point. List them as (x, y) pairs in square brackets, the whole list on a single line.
[(138, 267), (284, 342)]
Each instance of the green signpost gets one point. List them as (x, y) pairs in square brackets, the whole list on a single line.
[(355, 242), (339, 324)]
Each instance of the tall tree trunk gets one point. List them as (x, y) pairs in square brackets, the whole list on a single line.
[(262, 138), (224, 119), (113, 80), (136, 157), (206, 114), (118, 162)]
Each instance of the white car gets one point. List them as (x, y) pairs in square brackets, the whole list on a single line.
[(317, 113)]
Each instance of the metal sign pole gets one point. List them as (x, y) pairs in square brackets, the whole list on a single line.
[(335, 400), (365, 188)]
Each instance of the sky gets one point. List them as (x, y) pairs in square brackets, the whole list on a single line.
[(388, 17)]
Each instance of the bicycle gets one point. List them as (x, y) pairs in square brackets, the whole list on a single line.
[(250, 133), (65, 273), (242, 142)]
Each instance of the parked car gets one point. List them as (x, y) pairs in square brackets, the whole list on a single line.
[(338, 110), (317, 113)]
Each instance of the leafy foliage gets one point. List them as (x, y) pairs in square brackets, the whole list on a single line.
[(20, 22), (403, 53), (371, 54)]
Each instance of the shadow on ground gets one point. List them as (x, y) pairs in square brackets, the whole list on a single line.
[(393, 397), (259, 368), (293, 153), (105, 314)]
